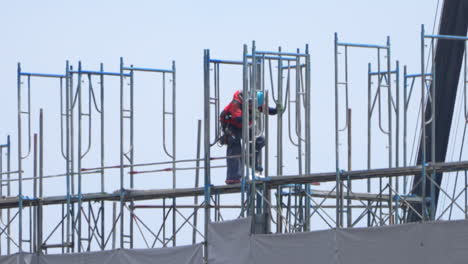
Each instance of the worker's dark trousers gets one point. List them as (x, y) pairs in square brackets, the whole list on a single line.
[(234, 148)]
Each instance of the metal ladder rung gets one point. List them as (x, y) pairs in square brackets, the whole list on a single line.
[(130, 116), (25, 112), (129, 237), (126, 110), (85, 114), (168, 113), (342, 83), (57, 245)]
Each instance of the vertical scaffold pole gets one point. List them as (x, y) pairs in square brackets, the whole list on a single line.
[(337, 152), (34, 216), (465, 86), (71, 209), (397, 139), (279, 141), (80, 114), (298, 129), (390, 134), (132, 154), (20, 168), (433, 127), (101, 84), (41, 183), (244, 146), (122, 191), (423, 127), (69, 142), (207, 187), (174, 174), (8, 192), (348, 182), (197, 176), (369, 133), (251, 130), (405, 124), (308, 121)]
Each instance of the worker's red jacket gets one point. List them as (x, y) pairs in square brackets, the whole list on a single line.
[(232, 113)]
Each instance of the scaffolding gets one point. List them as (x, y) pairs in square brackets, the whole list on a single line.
[(280, 202)]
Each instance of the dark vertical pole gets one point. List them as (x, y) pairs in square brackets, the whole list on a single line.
[(423, 126), (397, 138), (174, 174), (34, 216), (114, 231), (132, 154), (65, 210), (369, 133), (253, 96), (20, 168), (41, 183), (433, 128), (349, 208), (8, 191), (197, 176), (122, 191), (102, 158), (337, 153), (207, 146), (244, 146), (308, 137), (279, 142), (390, 130), (405, 122), (80, 114), (71, 231)]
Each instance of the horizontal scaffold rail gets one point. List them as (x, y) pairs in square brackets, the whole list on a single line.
[(272, 182)]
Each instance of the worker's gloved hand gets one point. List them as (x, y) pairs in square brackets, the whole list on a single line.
[(272, 111), (227, 117)]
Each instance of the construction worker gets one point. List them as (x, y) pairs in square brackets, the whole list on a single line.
[(231, 122)]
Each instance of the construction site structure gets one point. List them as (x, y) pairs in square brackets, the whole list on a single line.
[(279, 202)]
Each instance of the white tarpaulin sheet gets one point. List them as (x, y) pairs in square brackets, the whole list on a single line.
[(231, 242), (228, 241), (438, 242), (174, 255), (18, 259)]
